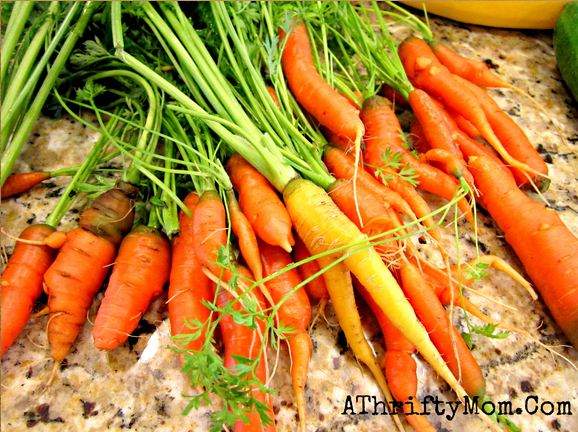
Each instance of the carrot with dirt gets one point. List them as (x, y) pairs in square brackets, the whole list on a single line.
[(82, 264), (542, 242), (294, 311), (34, 252), (260, 203)]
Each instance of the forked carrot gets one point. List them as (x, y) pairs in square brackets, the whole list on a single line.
[(140, 271), (260, 203), (22, 281), (546, 247), (246, 236), (294, 312), (22, 182), (82, 264), (329, 107), (188, 285)]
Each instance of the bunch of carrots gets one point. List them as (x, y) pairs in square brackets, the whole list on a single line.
[(294, 190)]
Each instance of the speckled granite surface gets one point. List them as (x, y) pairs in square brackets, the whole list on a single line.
[(139, 386)]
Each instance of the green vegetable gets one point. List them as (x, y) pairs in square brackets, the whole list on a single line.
[(566, 46)]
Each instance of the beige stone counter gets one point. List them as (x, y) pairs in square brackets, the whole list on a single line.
[(139, 386)]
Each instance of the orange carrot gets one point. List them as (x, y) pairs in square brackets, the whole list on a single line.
[(513, 139), (545, 246), (240, 340), (295, 311), (246, 235), (427, 73), (383, 135), (472, 70), (22, 282), (315, 288), (464, 125), (443, 334), (393, 96), (400, 367), (82, 264), (370, 215), (329, 108), (189, 286), (261, 204), (210, 230), (140, 271), (22, 182)]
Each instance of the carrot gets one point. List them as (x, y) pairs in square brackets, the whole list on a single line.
[(246, 235), (22, 282), (544, 245), (472, 70), (427, 73), (240, 340), (393, 96), (442, 333), (383, 136), (140, 271), (188, 285), (260, 203), (399, 365), (323, 227), (370, 215), (339, 284), (343, 167), (324, 103), (464, 125), (294, 312), (82, 264), (514, 140), (22, 182), (210, 230), (315, 288)]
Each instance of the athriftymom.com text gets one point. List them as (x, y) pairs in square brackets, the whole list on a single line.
[(433, 405)]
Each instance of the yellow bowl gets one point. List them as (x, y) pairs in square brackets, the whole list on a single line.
[(505, 14)]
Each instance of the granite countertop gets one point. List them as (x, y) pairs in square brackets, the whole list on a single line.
[(139, 386)]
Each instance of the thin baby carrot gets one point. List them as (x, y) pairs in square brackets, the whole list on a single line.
[(246, 235)]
